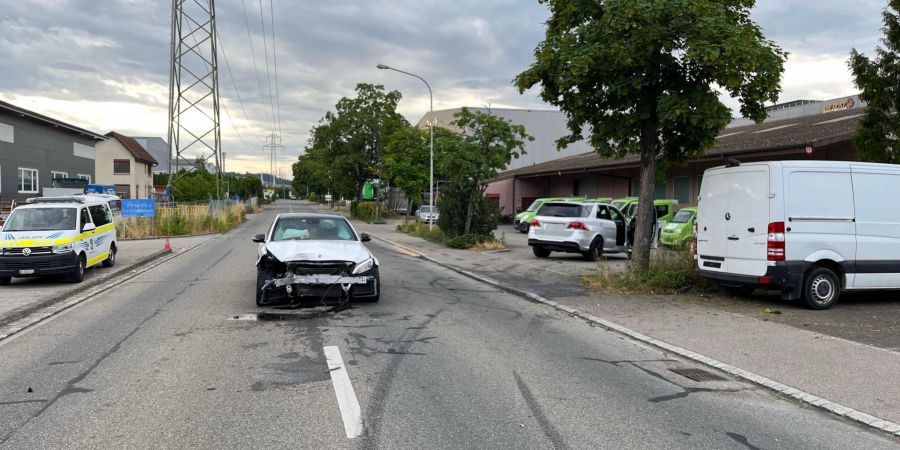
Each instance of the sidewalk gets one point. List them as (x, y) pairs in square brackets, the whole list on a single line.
[(859, 376), (26, 293)]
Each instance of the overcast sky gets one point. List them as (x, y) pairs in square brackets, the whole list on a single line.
[(104, 64)]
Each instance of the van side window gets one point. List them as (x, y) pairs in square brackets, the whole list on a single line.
[(661, 210), (100, 214), (603, 213), (85, 217)]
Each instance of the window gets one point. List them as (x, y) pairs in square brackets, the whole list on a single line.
[(57, 175), (28, 180), (683, 189), (101, 215), (85, 217), (576, 188), (85, 177), (564, 210), (121, 166), (603, 213), (661, 210), (7, 133), (123, 190), (313, 228), (41, 219), (659, 190)]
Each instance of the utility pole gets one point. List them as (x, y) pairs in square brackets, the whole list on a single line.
[(194, 125)]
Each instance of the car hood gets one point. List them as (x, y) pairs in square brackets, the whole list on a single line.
[(287, 251)]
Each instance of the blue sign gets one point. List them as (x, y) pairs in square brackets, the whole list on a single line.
[(138, 208)]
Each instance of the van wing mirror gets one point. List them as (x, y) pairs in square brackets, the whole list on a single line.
[(258, 238), (88, 227)]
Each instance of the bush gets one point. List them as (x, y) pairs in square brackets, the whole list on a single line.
[(670, 272), (364, 211), (453, 206), (312, 198), (421, 230), (467, 241)]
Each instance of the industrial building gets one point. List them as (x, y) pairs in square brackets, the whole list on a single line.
[(35, 149), (803, 129)]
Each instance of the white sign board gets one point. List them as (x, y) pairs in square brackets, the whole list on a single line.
[(327, 197)]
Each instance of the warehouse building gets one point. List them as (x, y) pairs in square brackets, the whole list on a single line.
[(803, 129), (35, 149)]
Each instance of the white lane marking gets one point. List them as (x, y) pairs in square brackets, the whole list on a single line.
[(343, 389)]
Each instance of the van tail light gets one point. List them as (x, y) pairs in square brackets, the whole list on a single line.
[(535, 223), (775, 243), (577, 226)]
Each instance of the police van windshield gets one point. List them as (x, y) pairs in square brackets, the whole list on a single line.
[(41, 219)]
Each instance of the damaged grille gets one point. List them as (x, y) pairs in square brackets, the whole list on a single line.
[(321, 268)]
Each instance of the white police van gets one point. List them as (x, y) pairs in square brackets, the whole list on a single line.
[(58, 236)]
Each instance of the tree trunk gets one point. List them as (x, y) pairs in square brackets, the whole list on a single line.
[(471, 207), (643, 233)]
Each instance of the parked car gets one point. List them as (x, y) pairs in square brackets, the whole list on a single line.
[(606, 200), (622, 203), (665, 210), (811, 229), (314, 258), (522, 221), (58, 236), (680, 230), (578, 227), (426, 215)]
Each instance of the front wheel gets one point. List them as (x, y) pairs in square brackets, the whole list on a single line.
[(77, 275), (540, 252), (821, 288)]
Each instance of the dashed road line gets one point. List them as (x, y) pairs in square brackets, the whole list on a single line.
[(343, 390)]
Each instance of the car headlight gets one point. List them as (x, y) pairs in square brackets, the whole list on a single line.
[(364, 266), (64, 248)]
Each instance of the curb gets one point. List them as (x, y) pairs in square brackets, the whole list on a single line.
[(171, 237), (779, 389), (26, 316)]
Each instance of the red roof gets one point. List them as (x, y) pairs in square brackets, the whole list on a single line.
[(140, 153)]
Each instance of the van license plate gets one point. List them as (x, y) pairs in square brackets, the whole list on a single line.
[(26, 271)]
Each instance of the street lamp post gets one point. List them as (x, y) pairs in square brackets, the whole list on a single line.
[(431, 128)]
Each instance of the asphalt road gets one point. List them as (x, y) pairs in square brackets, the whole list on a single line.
[(441, 362)]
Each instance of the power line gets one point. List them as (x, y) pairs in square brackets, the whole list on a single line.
[(253, 53), (275, 64), (236, 91), (262, 24)]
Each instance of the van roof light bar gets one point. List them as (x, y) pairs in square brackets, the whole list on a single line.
[(70, 199)]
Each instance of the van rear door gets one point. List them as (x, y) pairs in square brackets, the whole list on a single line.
[(711, 235), (747, 220)]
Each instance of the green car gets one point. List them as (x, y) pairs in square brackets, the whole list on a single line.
[(665, 210), (680, 230), (523, 219), (606, 200), (621, 203)]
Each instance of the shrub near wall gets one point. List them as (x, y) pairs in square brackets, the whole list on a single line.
[(364, 211)]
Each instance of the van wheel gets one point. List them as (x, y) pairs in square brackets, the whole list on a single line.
[(111, 259), (596, 250), (4, 281), (540, 252), (821, 288), (78, 274)]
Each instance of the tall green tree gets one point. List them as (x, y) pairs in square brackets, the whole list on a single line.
[(640, 77), (487, 144), (879, 79), (407, 159)]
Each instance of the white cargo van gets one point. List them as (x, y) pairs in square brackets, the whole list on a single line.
[(809, 228)]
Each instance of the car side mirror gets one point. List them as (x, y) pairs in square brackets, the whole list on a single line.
[(365, 237), (258, 238), (88, 227)]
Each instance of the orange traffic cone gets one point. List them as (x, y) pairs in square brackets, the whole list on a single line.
[(168, 246)]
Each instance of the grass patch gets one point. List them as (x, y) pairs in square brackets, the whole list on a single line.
[(670, 272), (181, 220), (466, 241)]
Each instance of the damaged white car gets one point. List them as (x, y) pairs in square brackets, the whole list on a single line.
[(314, 259)]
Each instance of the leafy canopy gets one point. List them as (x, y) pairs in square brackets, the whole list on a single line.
[(879, 79), (612, 65)]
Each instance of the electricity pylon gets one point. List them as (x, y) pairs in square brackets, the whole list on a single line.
[(194, 126)]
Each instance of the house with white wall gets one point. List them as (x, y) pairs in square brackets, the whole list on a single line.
[(122, 162)]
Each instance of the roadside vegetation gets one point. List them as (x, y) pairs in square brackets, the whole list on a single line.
[(671, 271), (182, 220), (480, 242)]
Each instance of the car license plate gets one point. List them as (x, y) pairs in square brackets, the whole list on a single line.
[(26, 271)]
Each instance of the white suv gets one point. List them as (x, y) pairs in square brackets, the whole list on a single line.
[(578, 227)]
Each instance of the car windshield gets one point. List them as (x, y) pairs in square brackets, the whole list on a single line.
[(618, 204), (312, 228), (41, 219), (564, 210), (683, 216), (425, 209), (534, 206), (630, 210)]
